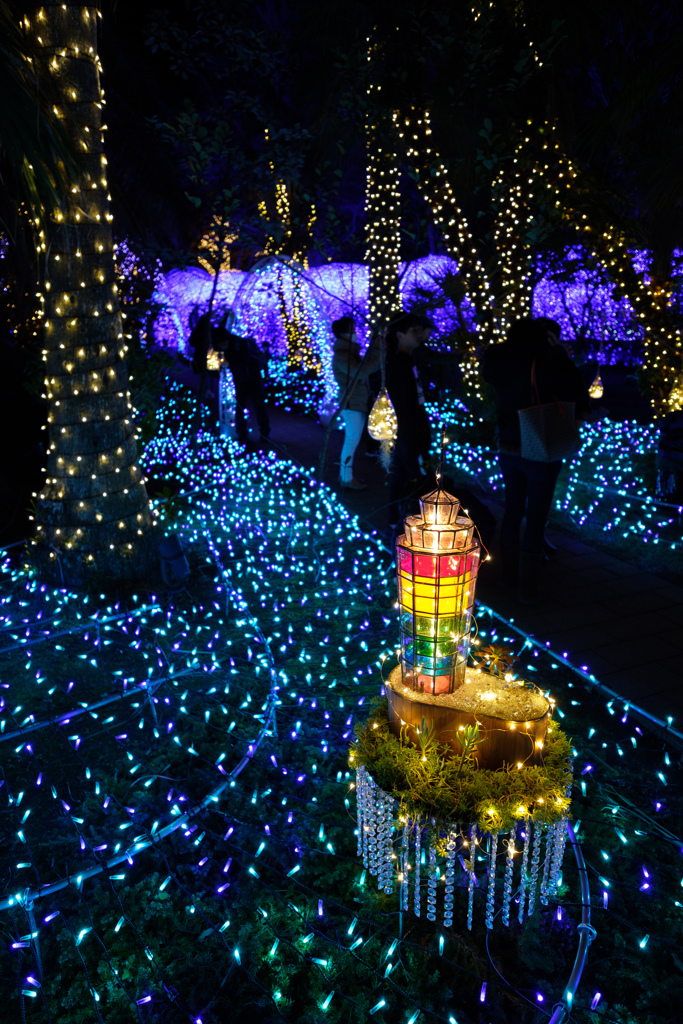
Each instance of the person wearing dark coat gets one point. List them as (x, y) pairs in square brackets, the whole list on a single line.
[(529, 485), (404, 336), (245, 361), (200, 341)]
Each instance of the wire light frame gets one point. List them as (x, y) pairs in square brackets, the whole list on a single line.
[(437, 560)]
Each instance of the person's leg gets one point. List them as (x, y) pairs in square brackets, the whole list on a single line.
[(353, 428), (404, 479), (541, 478), (515, 483), (259, 403)]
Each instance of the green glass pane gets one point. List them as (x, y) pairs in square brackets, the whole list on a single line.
[(425, 648)]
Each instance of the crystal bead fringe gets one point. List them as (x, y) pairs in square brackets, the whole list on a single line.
[(388, 877), (432, 879), (376, 810), (558, 855), (418, 843), (360, 811), (535, 860), (491, 894), (549, 847), (381, 839), (450, 881), (405, 850), (507, 881), (471, 879), (525, 870), (372, 828)]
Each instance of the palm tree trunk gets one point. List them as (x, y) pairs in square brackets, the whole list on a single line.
[(93, 517)]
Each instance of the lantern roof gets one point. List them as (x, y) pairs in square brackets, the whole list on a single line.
[(439, 507)]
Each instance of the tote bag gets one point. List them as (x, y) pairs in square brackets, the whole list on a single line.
[(548, 431)]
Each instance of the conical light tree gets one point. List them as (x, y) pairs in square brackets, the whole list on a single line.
[(93, 517)]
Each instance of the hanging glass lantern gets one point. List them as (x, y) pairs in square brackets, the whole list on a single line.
[(596, 390), (214, 359), (382, 422)]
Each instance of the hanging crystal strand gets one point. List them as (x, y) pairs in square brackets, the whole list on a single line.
[(549, 846), (432, 878), (381, 839), (558, 856), (418, 857), (369, 826), (388, 848), (360, 812), (491, 894), (525, 868), (471, 879), (404, 865), (373, 810), (450, 881), (535, 860), (507, 881)]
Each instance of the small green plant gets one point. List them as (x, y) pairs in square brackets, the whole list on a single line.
[(469, 741), (498, 658)]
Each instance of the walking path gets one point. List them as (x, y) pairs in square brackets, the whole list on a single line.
[(605, 615)]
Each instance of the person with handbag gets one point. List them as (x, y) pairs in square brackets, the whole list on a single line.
[(540, 396)]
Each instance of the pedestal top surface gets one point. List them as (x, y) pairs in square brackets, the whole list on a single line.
[(481, 694)]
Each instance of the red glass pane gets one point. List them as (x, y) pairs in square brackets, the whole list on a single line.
[(426, 565), (452, 565), (405, 559)]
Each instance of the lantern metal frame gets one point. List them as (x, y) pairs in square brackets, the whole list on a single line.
[(437, 560)]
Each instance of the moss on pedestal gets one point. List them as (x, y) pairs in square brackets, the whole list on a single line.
[(427, 779)]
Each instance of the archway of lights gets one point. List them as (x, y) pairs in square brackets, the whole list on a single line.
[(178, 809), (289, 309)]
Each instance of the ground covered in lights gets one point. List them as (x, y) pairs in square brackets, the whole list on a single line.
[(175, 777)]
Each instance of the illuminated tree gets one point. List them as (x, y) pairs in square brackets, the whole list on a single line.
[(93, 518)]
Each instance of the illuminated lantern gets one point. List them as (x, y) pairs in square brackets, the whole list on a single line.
[(214, 360), (596, 390), (437, 560), (382, 422)]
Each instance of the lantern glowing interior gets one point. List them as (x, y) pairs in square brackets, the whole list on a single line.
[(437, 560), (382, 422)]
